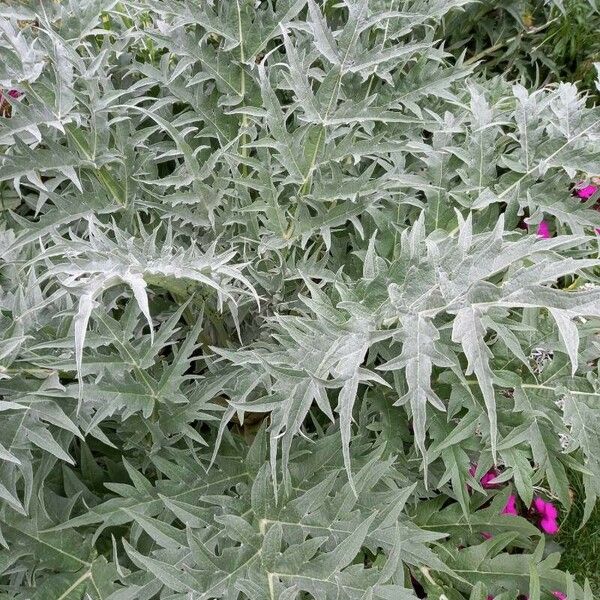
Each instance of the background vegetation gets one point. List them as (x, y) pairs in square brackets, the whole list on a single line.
[(538, 43)]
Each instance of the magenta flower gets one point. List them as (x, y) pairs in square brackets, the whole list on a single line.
[(486, 479), (549, 526), (548, 516), (543, 230), (559, 595), (511, 506), (586, 192), (486, 535), (5, 107), (11, 94), (524, 597)]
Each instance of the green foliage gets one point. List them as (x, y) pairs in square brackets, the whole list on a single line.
[(580, 542), (265, 301), (536, 42)]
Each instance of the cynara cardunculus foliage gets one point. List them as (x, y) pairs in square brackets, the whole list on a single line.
[(275, 323)]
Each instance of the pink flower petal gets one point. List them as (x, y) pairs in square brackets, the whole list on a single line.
[(545, 509), (543, 230), (548, 513), (511, 506), (559, 595), (549, 526), (489, 476), (485, 480), (486, 535), (587, 192), (551, 511)]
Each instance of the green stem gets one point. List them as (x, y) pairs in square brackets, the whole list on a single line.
[(244, 139)]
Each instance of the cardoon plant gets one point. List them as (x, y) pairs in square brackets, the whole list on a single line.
[(294, 305)]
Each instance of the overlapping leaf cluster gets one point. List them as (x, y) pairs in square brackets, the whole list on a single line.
[(267, 296), (537, 42)]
